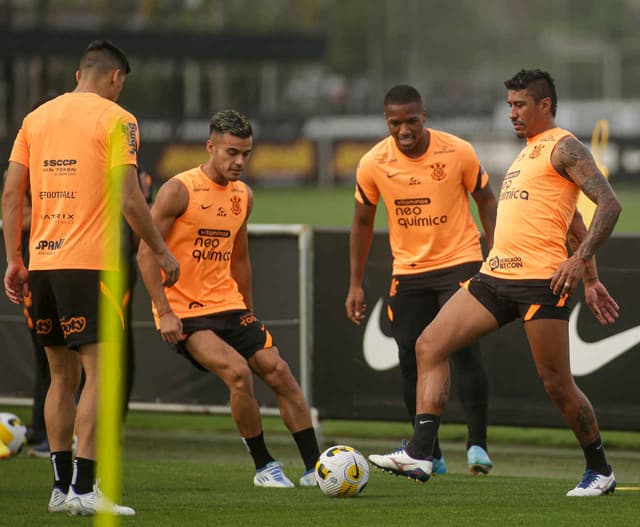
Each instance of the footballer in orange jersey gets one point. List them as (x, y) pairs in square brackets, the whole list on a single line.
[(208, 313), (424, 177), (529, 275), (67, 151)]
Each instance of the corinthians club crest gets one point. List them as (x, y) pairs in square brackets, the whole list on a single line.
[(438, 173), (235, 205), (537, 150)]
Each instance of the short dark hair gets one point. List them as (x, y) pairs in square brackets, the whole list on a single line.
[(402, 94), (538, 82), (230, 122), (103, 55)]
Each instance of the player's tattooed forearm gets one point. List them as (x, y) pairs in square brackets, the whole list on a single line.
[(594, 187), (603, 225), (607, 212)]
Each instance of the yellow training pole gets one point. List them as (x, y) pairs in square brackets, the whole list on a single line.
[(599, 139), (111, 331)]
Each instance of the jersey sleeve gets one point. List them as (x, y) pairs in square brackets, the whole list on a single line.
[(20, 150), (124, 140), (367, 191), (474, 176)]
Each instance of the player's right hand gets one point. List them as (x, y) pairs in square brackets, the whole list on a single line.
[(355, 306), (171, 328), (16, 282), (170, 267)]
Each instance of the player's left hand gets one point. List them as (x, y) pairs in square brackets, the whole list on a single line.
[(567, 276), (602, 305)]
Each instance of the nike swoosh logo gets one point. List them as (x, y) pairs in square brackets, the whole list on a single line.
[(587, 357), (427, 421), (389, 175), (380, 352), (208, 206), (356, 476)]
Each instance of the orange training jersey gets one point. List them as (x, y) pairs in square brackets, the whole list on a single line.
[(69, 145), (535, 209), (202, 239), (427, 201)]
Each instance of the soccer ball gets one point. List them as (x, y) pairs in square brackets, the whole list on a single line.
[(12, 432), (342, 472)]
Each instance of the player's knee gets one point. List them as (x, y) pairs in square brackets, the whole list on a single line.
[(426, 347), (279, 376), (65, 380), (238, 377)]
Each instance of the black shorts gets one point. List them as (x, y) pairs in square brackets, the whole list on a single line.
[(511, 299), (65, 306), (240, 329), (415, 299)]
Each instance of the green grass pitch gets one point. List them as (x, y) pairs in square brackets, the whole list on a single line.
[(193, 470)]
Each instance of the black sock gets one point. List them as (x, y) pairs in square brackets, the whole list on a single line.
[(62, 469), (437, 453), (595, 457), (424, 436), (84, 475), (308, 446), (436, 449), (258, 450)]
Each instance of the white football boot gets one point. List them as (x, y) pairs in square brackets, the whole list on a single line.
[(272, 476), (594, 484), (402, 464), (90, 503), (56, 502)]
